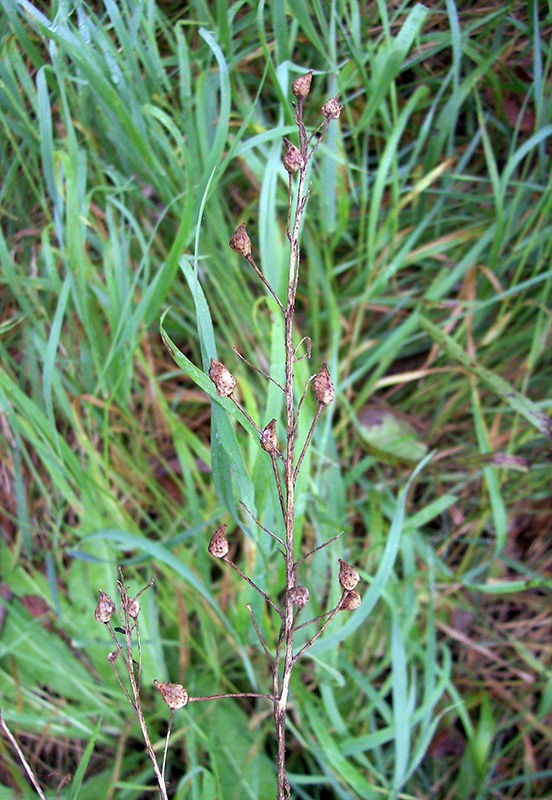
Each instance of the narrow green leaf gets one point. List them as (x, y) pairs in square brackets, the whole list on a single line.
[(78, 777), (50, 353), (512, 397), (369, 600)]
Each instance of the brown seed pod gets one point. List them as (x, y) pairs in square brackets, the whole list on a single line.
[(323, 387), (113, 656), (348, 576), (299, 596), (292, 158), (350, 601), (174, 694), (269, 437), (218, 546), (105, 607), (224, 381), (133, 607), (240, 241), (331, 108), (301, 85)]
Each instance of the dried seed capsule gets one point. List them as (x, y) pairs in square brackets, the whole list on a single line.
[(218, 546), (113, 656), (292, 158), (133, 607), (174, 694), (350, 601), (224, 381), (331, 108), (240, 241), (268, 437), (105, 608), (301, 85), (323, 387), (348, 576), (299, 596)]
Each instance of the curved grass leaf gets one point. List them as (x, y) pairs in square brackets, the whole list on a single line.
[(516, 400)]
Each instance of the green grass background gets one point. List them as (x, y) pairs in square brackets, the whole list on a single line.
[(135, 137)]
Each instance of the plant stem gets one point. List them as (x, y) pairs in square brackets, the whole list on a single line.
[(129, 623), (295, 161), (19, 751), (280, 704)]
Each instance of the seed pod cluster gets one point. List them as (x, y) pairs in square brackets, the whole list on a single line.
[(348, 576)]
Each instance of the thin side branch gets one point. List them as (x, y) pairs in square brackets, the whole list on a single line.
[(123, 687), (279, 486), (257, 631), (264, 280), (256, 521), (307, 440), (257, 369), (169, 729), (234, 694), (300, 403), (320, 547), (318, 633), (290, 203), (253, 584), (308, 340), (252, 421), (20, 755), (314, 619)]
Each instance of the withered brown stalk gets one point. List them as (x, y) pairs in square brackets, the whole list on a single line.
[(26, 766), (296, 161), (129, 611), (285, 468)]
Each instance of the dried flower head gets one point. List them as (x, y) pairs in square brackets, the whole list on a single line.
[(348, 576), (133, 607), (269, 437), (224, 381), (292, 158), (105, 608), (323, 387), (350, 601), (240, 241), (331, 108), (113, 656), (299, 596), (301, 85), (174, 694), (218, 546)]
